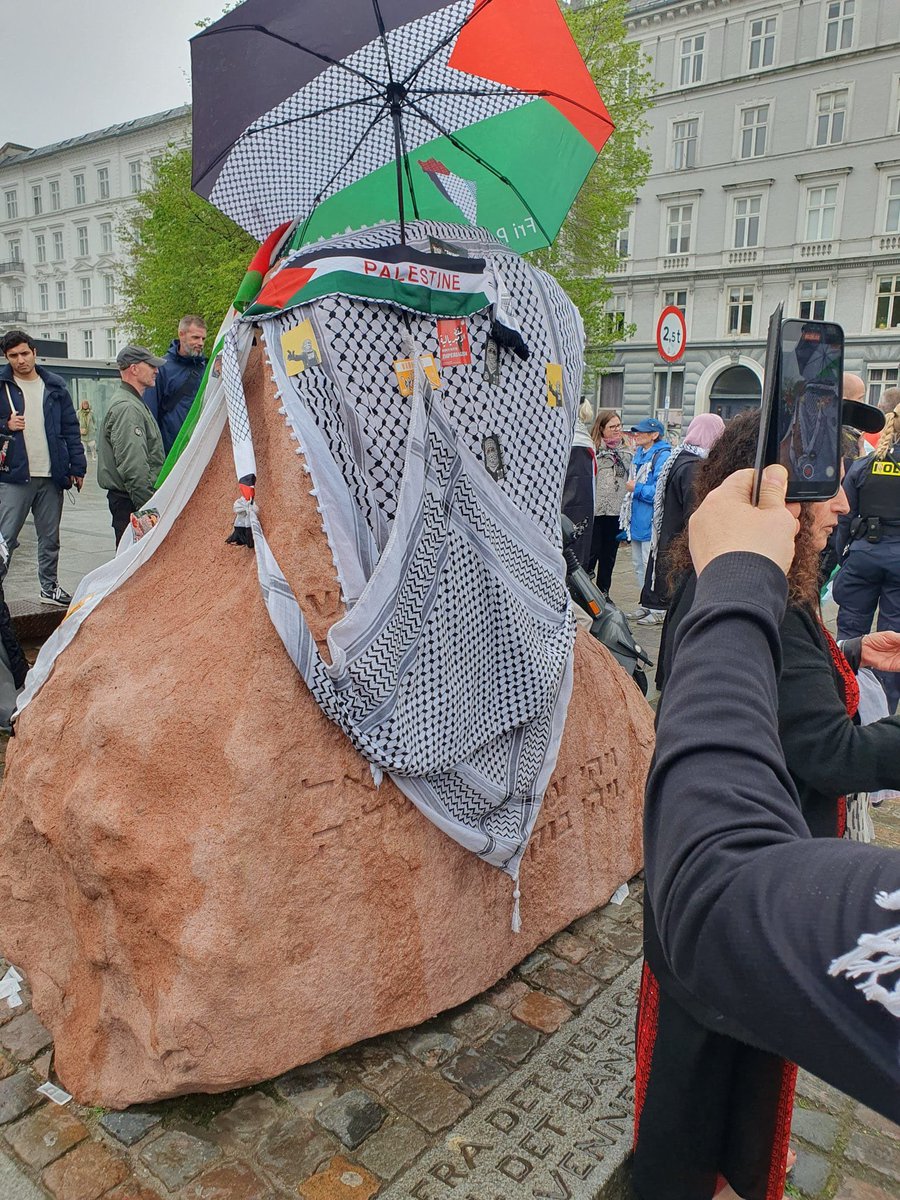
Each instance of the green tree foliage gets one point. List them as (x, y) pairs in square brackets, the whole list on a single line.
[(184, 256), (585, 252)]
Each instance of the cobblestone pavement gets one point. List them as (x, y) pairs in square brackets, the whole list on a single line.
[(395, 1115)]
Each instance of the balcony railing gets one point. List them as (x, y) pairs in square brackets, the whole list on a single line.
[(13, 266), (12, 315), (816, 250)]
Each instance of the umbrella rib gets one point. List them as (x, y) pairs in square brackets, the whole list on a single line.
[(542, 93), (319, 112), (326, 58), (477, 8), (454, 141)]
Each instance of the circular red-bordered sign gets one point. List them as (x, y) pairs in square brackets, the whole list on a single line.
[(671, 334)]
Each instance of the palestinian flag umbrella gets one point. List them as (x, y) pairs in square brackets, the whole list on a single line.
[(346, 114)]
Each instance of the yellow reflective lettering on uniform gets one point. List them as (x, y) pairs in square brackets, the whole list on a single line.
[(885, 468)]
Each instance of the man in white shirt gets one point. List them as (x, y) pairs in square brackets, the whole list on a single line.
[(41, 455)]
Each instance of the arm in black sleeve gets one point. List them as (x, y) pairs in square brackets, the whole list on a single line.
[(822, 746), (851, 487), (750, 910)]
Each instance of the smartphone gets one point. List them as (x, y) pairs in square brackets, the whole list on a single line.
[(806, 421)]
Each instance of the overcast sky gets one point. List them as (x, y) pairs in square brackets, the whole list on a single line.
[(72, 66)]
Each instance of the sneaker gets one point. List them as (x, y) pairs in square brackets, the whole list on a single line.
[(638, 613), (652, 618), (56, 595)]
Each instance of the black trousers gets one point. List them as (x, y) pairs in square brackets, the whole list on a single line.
[(604, 548), (121, 508)]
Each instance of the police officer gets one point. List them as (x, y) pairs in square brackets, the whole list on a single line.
[(869, 539)]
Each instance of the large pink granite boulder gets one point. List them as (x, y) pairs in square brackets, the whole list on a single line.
[(197, 873)]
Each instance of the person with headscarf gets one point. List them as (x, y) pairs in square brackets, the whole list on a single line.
[(672, 506), (578, 489), (870, 576)]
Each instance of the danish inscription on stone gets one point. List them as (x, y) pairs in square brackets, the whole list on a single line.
[(556, 1129)]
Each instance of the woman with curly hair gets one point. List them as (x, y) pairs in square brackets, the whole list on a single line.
[(613, 464), (870, 576), (712, 1112)]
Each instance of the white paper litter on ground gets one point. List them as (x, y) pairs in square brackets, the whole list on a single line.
[(10, 988), (620, 895), (54, 1093)]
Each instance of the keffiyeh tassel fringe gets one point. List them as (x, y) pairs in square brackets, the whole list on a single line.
[(517, 910)]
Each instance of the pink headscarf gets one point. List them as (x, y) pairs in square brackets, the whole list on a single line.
[(704, 431)]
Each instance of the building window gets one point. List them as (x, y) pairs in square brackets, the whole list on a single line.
[(623, 242), (691, 59), (81, 232), (684, 144), (762, 42), (14, 250), (106, 237), (87, 337), (12, 205), (676, 389), (887, 307), (55, 200), (18, 297), (754, 129), (612, 388), (109, 289), (740, 309), (614, 316), (44, 297), (831, 112), (892, 221), (813, 299), (62, 336), (821, 205), (880, 379), (86, 291), (135, 182), (58, 253), (40, 247), (37, 200), (103, 183), (676, 299), (839, 25), (80, 190), (61, 294), (110, 343), (746, 221), (679, 218)]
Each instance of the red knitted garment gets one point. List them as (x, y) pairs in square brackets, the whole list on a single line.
[(647, 1021), (851, 700)]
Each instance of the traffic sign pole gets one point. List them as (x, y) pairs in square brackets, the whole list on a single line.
[(671, 339)]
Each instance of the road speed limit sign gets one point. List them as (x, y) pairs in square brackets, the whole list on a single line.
[(671, 334)]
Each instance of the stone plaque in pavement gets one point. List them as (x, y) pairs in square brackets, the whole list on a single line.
[(14, 1183), (557, 1128), (176, 1158)]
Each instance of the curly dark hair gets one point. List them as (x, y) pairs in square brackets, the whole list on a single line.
[(733, 451)]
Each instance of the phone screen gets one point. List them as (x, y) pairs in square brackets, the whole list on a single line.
[(808, 412)]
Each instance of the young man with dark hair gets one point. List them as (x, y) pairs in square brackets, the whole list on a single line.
[(41, 455)]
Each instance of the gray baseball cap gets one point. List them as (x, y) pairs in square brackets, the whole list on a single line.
[(131, 354)]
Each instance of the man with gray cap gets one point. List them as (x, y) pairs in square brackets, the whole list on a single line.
[(129, 449)]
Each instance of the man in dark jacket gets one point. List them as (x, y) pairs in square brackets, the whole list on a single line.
[(178, 380), (41, 455)]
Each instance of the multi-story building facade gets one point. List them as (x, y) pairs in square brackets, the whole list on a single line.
[(60, 212), (776, 177)]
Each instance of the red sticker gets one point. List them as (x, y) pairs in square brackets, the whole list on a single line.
[(453, 339)]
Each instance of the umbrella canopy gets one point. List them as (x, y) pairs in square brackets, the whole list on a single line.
[(347, 114)]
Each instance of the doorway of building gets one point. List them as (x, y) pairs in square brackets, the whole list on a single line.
[(734, 391)]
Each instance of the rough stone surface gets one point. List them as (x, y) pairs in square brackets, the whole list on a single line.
[(341, 1180), (352, 1117), (85, 1173), (241, 1126), (810, 1173), (433, 1048), (475, 1022), (858, 1189), (430, 1101), (24, 1037), (475, 1073), (545, 1013), (308, 1088), (45, 1135), (392, 1148), (513, 1042), (234, 1181), (6, 1067), (176, 1158), (16, 1185), (131, 1189), (560, 1126), (877, 1154), (295, 1151), (130, 1126), (819, 1129), (18, 1093), (132, 901)]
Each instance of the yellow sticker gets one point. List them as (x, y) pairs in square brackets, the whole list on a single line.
[(554, 385), (403, 369), (885, 468), (300, 348)]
